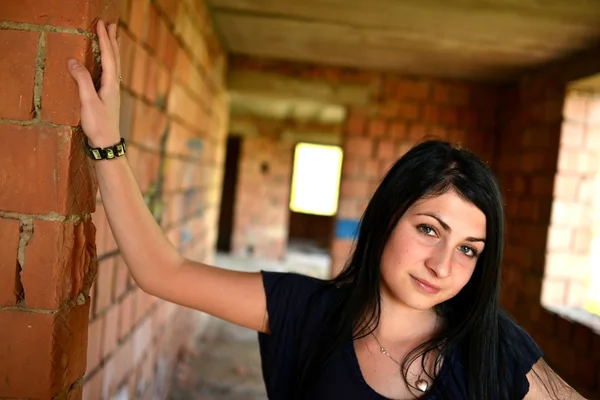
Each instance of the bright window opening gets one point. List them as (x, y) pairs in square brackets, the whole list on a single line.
[(316, 179), (572, 273)]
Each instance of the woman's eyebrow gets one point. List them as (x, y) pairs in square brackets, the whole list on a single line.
[(447, 227)]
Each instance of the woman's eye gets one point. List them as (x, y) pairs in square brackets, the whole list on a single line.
[(427, 230), (468, 250)]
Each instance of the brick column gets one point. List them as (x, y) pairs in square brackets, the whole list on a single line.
[(47, 193)]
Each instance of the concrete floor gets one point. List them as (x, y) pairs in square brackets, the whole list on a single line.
[(225, 365)]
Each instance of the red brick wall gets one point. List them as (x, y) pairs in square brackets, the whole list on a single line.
[(527, 164), (46, 197), (261, 214), (175, 119)]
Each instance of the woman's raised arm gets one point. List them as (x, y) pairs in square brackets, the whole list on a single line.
[(154, 263)]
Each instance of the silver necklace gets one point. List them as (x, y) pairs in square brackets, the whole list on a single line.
[(421, 384)]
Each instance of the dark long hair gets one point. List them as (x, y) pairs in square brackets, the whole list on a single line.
[(473, 322)]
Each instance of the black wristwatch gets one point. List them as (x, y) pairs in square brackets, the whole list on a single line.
[(106, 153)]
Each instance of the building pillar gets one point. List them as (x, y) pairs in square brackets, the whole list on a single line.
[(47, 193)]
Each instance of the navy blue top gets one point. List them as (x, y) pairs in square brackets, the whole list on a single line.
[(291, 327)]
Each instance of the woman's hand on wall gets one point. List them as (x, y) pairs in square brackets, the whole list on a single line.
[(100, 109)]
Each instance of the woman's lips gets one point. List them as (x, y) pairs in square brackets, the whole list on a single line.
[(425, 286)]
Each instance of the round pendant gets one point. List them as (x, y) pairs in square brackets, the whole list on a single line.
[(422, 385)]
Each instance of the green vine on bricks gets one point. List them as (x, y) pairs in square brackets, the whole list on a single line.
[(154, 194)]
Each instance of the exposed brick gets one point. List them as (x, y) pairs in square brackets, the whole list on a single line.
[(376, 128), (413, 89), (9, 243), (559, 238), (355, 188), (408, 111), (128, 103), (572, 135), (163, 86), (121, 277), (124, 11), (140, 65), (170, 50), (566, 187), (58, 177), (593, 116), (111, 331), (542, 185), (170, 8), (60, 99), (149, 125), (453, 94), (126, 316), (127, 49), (107, 10), (153, 28), (163, 37), (104, 239), (137, 19), (183, 67), (94, 343), (449, 116), (76, 14), (151, 81), (17, 72), (104, 285), (576, 106), (417, 132), (398, 130), (386, 150), (582, 240), (358, 147), (351, 167), (49, 276), (33, 340)]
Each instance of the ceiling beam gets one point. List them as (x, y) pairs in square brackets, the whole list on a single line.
[(285, 87)]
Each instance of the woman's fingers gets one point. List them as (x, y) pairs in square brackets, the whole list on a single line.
[(112, 34), (87, 91), (107, 57)]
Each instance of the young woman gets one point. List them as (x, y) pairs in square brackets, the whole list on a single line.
[(415, 313)]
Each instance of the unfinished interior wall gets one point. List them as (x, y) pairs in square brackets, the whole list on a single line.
[(47, 193), (386, 115), (527, 165), (174, 116), (262, 219)]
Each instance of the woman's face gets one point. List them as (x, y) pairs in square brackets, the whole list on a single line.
[(433, 250)]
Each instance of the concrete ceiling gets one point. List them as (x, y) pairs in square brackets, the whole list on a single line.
[(473, 39)]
